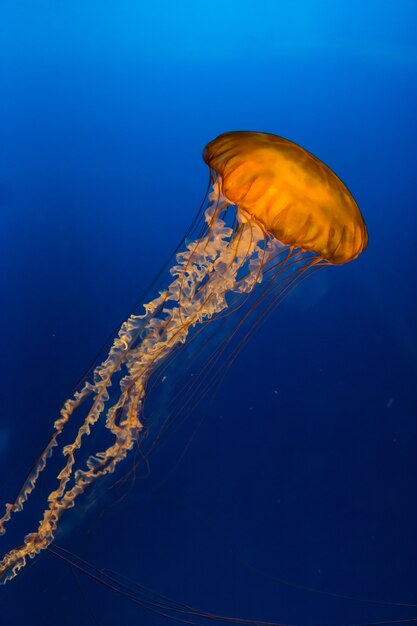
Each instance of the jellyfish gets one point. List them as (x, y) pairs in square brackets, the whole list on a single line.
[(275, 214)]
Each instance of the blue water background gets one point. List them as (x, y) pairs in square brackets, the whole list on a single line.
[(304, 472)]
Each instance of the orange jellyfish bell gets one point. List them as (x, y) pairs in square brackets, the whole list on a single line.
[(296, 197)]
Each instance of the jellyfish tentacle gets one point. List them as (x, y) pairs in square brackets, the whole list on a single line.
[(204, 275), (223, 264)]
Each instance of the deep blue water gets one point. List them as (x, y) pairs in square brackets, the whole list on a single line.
[(299, 485)]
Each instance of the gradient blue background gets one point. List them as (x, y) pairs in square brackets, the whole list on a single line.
[(305, 468)]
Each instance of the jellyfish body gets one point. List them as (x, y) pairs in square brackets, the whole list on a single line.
[(291, 214), (297, 198)]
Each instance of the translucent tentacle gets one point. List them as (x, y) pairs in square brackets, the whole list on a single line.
[(203, 277)]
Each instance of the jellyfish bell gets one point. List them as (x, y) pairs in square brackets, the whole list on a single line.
[(276, 213), (294, 195)]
